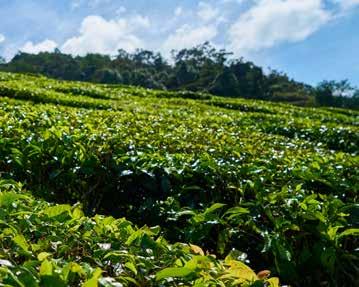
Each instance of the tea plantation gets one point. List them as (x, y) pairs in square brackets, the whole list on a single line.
[(100, 183)]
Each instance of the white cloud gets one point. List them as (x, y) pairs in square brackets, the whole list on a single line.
[(2, 38), (44, 46), (271, 22), (207, 12), (201, 26), (139, 22), (98, 35), (188, 37)]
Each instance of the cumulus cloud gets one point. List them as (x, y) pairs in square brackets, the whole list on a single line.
[(201, 26), (98, 35), (243, 29), (187, 37), (44, 46), (271, 22)]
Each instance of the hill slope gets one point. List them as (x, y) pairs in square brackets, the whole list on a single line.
[(202, 68), (275, 185)]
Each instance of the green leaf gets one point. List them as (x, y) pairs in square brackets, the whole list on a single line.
[(132, 267), (235, 212), (43, 255), (176, 272), (46, 268), (8, 198), (213, 208), (77, 212), (93, 282), (76, 268), (316, 165), (20, 241), (54, 211), (332, 232), (240, 271), (134, 236), (350, 232), (273, 282)]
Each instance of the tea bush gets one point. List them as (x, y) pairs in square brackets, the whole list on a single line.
[(274, 184)]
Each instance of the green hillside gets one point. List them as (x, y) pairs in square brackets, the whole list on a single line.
[(239, 182), (199, 69)]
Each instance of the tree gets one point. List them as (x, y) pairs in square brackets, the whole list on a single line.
[(186, 73), (107, 76), (226, 84), (334, 93), (201, 55), (324, 95), (251, 79)]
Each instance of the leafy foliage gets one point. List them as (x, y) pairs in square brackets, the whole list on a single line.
[(272, 185), (56, 245)]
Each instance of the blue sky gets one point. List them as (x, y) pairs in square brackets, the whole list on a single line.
[(310, 40)]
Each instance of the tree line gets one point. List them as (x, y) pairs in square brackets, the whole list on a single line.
[(202, 68)]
